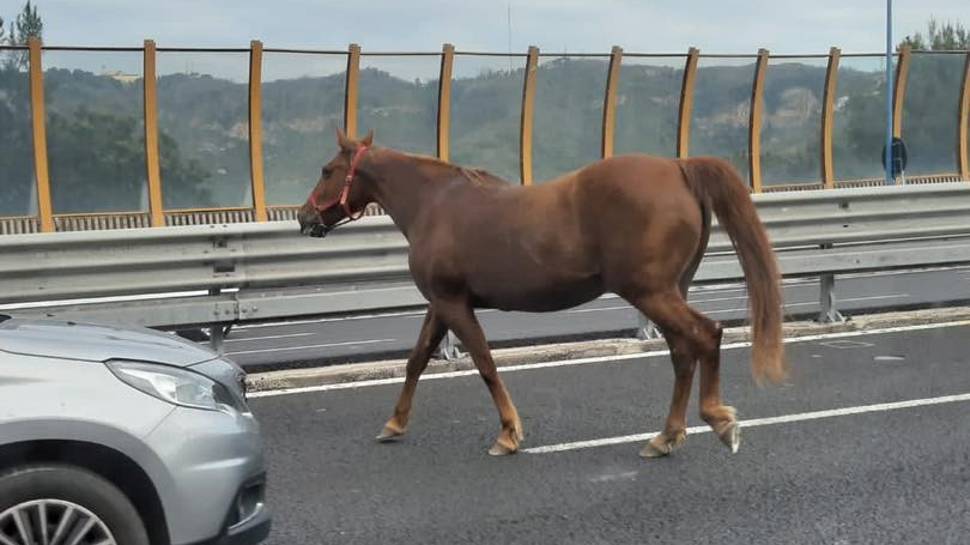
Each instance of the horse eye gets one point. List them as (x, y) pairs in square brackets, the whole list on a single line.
[(325, 172)]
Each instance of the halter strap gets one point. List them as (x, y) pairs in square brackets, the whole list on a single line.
[(341, 199)]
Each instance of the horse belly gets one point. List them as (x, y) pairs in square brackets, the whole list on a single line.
[(539, 295)]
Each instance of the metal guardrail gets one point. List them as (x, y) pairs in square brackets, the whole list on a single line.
[(253, 272)]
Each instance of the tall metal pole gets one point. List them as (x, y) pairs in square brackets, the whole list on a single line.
[(889, 92)]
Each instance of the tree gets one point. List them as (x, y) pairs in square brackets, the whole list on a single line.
[(29, 25), (947, 36)]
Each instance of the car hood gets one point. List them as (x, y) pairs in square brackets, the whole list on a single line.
[(95, 342)]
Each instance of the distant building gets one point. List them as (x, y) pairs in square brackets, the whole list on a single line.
[(118, 75)]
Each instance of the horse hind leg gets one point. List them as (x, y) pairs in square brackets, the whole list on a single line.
[(675, 430), (692, 338)]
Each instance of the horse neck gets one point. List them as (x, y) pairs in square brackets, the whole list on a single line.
[(403, 186)]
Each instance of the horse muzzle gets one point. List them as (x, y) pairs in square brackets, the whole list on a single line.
[(315, 230)]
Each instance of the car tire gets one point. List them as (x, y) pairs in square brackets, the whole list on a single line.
[(63, 486)]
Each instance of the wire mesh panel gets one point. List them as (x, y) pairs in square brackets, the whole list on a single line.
[(17, 190), (647, 102), (722, 107), (399, 100), (303, 104), (486, 108), (568, 113), (95, 131), (792, 121), (203, 125), (860, 118), (930, 112)]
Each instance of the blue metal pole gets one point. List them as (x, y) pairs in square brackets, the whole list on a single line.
[(889, 92)]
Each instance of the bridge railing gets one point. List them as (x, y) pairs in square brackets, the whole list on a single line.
[(789, 129)]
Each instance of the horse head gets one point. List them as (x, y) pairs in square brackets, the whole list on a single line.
[(338, 197)]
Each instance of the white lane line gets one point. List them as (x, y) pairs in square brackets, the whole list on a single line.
[(598, 359), (755, 422), (268, 337), (334, 319), (420, 313), (601, 309), (327, 345)]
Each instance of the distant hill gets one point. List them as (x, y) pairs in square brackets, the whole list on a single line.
[(95, 128)]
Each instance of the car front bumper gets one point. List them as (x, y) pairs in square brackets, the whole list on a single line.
[(213, 490)]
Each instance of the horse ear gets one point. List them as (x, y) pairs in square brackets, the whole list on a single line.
[(342, 140), (369, 139)]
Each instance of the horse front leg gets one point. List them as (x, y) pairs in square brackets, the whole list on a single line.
[(460, 318), (432, 331)]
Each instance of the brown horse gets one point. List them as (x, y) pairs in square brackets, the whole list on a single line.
[(634, 225)]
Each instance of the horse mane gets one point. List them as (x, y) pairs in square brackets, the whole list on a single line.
[(478, 176)]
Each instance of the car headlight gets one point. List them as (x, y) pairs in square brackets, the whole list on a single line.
[(172, 384)]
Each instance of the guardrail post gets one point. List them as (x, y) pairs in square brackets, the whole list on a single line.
[(686, 103), (646, 329), (45, 209), (899, 93), (448, 349), (153, 169), (217, 333), (609, 102), (444, 101), (828, 117), (528, 115), (829, 314), (350, 91), (754, 121), (256, 130), (963, 123)]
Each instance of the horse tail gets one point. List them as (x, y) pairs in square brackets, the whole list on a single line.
[(717, 185)]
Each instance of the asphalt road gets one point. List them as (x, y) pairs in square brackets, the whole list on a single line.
[(340, 340), (886, 475)]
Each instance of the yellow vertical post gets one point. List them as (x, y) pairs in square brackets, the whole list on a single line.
[(256, 130), (350, 92), (899, 92), (899, 89), (528, 115), (444, 101), (45, 209), (687, 102), (828, 117), (609, 102), (963, 124), (152, 163), (755, 121)]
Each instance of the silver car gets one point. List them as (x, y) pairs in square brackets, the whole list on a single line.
[(120, 436)]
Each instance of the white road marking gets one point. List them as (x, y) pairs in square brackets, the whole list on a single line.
[(755, 422), (597, 359), (577, 311), (601, 309), (267, 337), (327, 345)]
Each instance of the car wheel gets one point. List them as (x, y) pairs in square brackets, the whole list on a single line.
[(60, 504)]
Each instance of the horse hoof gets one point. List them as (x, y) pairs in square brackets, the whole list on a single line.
[(500, 449), (660, 446), (731, 437), (653, 451), (389, 433)]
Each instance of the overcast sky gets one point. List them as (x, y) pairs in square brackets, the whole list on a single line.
[(722, 26)]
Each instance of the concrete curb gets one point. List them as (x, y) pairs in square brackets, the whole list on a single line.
[(335, 374)]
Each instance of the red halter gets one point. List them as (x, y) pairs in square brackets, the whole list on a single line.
[(341, 199)]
